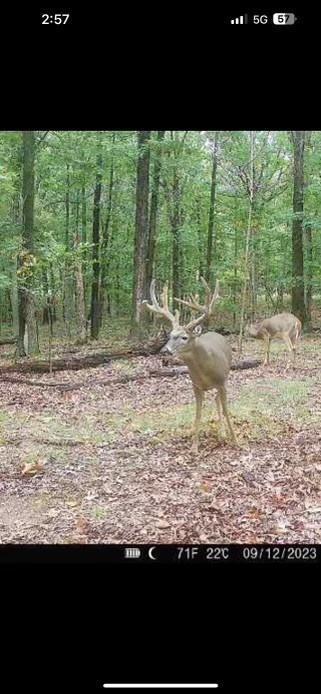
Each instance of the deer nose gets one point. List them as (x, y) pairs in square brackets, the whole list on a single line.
[(166, 350)]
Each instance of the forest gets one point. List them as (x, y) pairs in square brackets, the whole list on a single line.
[(96, 422)]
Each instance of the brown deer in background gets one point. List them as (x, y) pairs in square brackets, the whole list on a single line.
[(285, 326), (208, 357)]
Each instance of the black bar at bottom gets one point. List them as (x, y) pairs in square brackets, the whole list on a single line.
[(160, 554)]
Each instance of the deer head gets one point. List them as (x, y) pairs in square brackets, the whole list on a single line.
[(182, 336), (252, 329)]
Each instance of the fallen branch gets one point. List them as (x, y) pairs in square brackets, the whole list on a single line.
[(43, 384), (152, 373), (75, 364), (84, 362), (177, 370), (157, 373), (246, 364), (46, 442), (8, 341)]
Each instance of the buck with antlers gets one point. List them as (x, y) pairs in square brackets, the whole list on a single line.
[(285, 326), (208, 357)]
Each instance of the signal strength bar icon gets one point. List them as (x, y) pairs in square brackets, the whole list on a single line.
[(240, 20)]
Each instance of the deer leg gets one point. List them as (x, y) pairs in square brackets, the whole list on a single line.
[(199, 396), (289, 345), (220, 413), (223, 398), (294, 344), (267, 351)]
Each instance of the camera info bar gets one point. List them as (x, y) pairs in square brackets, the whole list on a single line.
[(161, 554)]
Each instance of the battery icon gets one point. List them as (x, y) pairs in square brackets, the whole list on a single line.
[(284, 18)]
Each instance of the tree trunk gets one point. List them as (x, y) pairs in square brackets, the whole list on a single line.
[(253, 281), (173, 194), (139, 317), (67, 297), (200, 240), (83, 215), (298, 307), (176, 236), (28, 332), (113, 235), (248, 239), (53, 292), (45, 313), (309, 270), (152, 229), (279, 291), (95, 255), (235, 276), (79, 282), (14, 303), (84, 240), (105, 239), (308, 246), (210, 233)]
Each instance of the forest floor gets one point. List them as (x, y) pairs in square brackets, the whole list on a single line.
[(112, 464)]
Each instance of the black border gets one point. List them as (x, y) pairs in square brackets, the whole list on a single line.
[(123, 67), (128, 68)]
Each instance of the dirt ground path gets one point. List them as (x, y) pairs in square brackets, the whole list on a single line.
[(112, 464)]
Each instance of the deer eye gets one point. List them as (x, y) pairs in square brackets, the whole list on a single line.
[(184, 337)]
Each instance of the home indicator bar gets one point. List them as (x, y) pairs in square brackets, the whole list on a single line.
[(160, 686)]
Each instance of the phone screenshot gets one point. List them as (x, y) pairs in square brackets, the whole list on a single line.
[(160, 349)]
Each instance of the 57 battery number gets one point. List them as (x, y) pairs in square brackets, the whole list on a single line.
[(279, 18)]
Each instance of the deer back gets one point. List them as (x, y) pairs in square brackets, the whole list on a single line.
[(282, 324), (276, 326)]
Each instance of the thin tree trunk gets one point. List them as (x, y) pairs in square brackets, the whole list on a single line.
[(95, 255), (16, 218), (309, 250), (247, 242), (67, 205), (14, 302), (117, 287), (200, 242), (84, 239), (28, 332), (309, 270), (235, 276), (173, 195), (53, 292), (298, 308), (176, 236), (83, 215), (105, 238), (280, 298), (108, 265), (211, 240), (253, 271), (152, 229), (139, 317), (45, 313), (67, 294), (79, 282)]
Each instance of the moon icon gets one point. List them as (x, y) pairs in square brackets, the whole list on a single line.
[(150, 553)]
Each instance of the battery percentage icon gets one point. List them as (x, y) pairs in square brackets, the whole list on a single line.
[(283, 18)]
